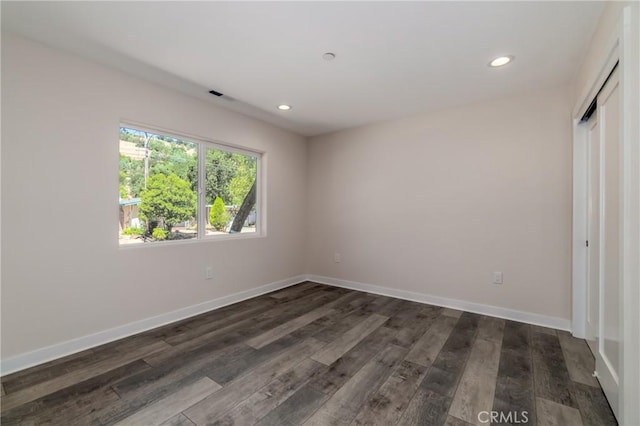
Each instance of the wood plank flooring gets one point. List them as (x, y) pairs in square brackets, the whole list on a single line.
[(318, 355)]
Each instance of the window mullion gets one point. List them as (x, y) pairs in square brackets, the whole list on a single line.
[(202, 208)]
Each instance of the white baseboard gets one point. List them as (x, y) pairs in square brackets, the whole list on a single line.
[(59, 350), (478, 308)]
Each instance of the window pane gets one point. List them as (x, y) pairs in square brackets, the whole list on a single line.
[(230, 192), (158, 187)]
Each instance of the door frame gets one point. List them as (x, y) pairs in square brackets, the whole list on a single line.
[(623, 47)]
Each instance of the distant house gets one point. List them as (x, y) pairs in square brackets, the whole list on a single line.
[(129, 211)]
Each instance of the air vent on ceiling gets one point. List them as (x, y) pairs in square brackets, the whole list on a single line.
[(213, 92)]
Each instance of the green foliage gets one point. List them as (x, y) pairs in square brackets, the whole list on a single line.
[(171, 157), (133, 231), (165, 156), (131, 176), (159, 234), (218, 216), (245, 176), (167, 198), (220, 169), (123, 189)]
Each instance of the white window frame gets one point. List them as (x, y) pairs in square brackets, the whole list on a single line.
[(203, 144)]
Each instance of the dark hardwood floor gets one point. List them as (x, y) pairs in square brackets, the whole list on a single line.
[(318, 355)]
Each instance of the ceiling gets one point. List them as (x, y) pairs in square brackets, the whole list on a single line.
[(392, 59)]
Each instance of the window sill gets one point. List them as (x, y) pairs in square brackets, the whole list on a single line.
[(209, 239)]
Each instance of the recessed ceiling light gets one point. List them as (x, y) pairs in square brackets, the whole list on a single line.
[(501, 61), (284, 107), (329, 56)]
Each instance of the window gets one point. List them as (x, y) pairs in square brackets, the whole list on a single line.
[(174, 188)]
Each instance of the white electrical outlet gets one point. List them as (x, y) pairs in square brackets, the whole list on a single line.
[(497, 277), (208, 273), (337, 257)]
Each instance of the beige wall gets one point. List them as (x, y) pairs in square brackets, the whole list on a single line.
[(436, 202), (63, 275)]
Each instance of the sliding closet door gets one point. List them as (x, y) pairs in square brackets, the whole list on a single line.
[(609, 334)]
